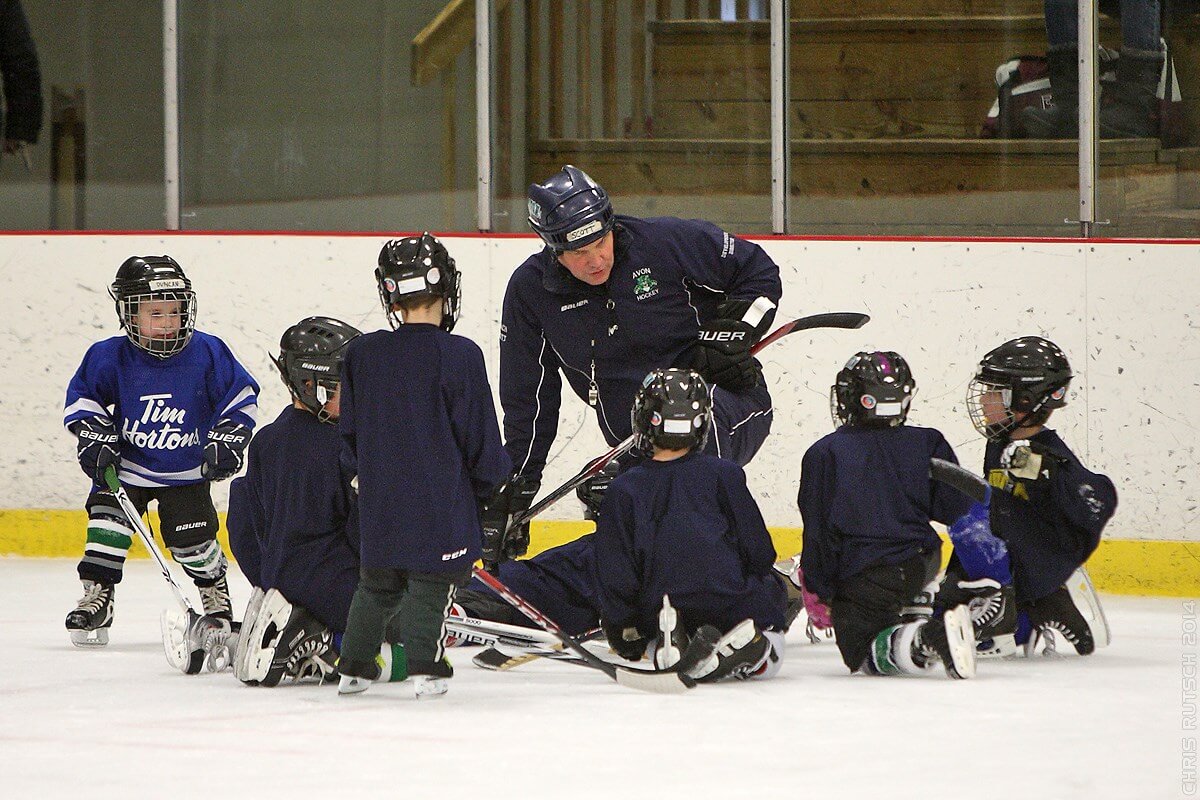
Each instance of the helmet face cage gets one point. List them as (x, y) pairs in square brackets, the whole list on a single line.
[(310, 360), (417, 266), (1020, 383), (155, 304), (672, 410), (569, 210), (873, 390)]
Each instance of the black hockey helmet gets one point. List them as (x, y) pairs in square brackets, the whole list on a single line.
[(146, 279), (1030, 373), (310, 360), (672, 410), (569, 210), (591, 492), (873, 390), (416, 266)]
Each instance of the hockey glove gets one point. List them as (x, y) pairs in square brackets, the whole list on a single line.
[(626, 641), (510, 500), (722, 356), (1028, 460), (225, 451), (99, 446)]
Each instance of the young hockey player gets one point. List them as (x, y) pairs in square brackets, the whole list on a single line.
[(870, 552), (608, 299), (293, 520), (1047, 510), (172, 410), (418, 419), (680, 545)]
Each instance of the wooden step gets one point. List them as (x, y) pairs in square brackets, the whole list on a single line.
[(870, 78), (915, 8), (854, 186)]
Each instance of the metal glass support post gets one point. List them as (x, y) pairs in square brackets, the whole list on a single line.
[(171, 113), (483, 114), (1088, 95), (779, 116)]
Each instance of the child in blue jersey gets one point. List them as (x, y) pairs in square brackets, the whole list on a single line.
[(870, 553), (681, 546), (421, 432), (1046, 511), (171, 409)]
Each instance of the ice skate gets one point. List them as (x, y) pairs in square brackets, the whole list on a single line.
[(93, 615), (426, 686), (950, 640), (739, 654), (350, 684), (215, 598)]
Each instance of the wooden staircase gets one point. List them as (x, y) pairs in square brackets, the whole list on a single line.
[(885, 113)]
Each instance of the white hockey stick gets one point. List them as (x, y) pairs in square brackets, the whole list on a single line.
[(181, 652)]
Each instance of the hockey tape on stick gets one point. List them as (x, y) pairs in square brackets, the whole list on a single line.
[(959, 478), (643, 680), (836, 319)]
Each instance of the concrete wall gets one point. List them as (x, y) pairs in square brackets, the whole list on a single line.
[(1126, 314)]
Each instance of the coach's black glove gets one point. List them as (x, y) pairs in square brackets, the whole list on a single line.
[(510, 500), (225, 451), (626, 641), (99, 446), (722, 355)]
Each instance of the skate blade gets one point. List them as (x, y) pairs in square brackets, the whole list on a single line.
[(961, 640), (425, 687), (1003, 646), (93, 638), (350, 685)]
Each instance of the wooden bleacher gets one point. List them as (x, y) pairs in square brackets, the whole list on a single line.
[(885, 110)]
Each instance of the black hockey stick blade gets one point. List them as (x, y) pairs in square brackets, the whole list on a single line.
[(657, 682), (833, 319), (959, 478)]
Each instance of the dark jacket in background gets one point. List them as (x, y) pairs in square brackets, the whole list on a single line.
[(21, 113)]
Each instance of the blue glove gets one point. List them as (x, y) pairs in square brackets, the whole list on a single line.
[(99, 446), (225, 451)]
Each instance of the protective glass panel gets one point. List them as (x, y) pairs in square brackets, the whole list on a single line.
[(665, 104), (909, 119)]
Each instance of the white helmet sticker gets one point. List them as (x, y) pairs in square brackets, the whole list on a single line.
[(677, 426), (166, 284), (433, 277), (410, 285), (584, 230)]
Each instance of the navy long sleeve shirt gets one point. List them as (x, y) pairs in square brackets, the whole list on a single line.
[(669, 275), (690, 529), (1050, 526), (866, 498), (418, 418)]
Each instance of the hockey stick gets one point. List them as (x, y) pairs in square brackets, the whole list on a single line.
[(645, 680), (959, 478), (837, 319), (505, 655), (193, 657)]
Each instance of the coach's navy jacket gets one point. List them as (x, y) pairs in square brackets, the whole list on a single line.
[(866, 498), (418, 417), (690, 529), (293, 525), (1050, 526), (669, 275)]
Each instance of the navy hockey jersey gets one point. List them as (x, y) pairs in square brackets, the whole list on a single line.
[(690, 529), (163, 408), (669, 275), (1050, 527), (866, 498), (418, 418), (293, 521)]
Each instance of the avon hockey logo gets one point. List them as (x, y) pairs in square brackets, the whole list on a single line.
[(160, 426), (644, 285)]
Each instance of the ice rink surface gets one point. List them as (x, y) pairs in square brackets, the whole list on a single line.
[(119, 722)]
